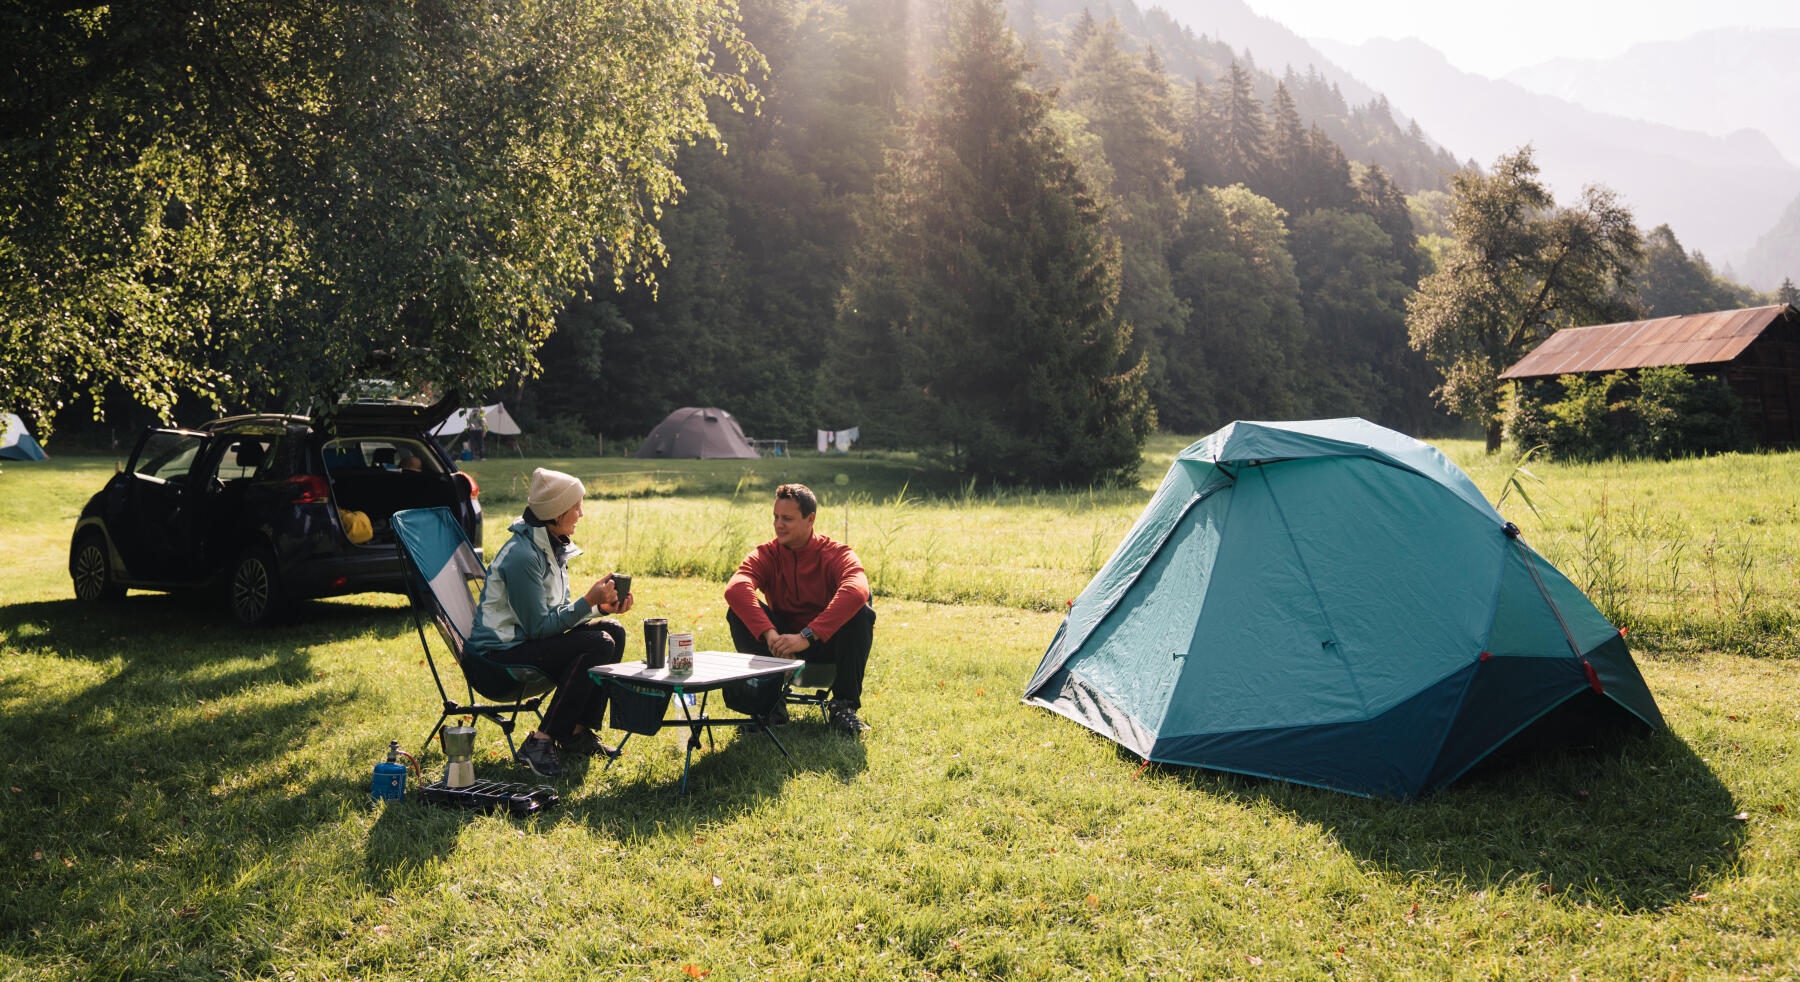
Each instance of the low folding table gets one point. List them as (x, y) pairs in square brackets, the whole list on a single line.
[(640, 696)]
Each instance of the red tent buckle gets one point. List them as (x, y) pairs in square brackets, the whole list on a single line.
[(1593, 677)]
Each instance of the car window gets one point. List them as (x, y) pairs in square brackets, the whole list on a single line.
[(244, 456), (167, 456), (380, 453)]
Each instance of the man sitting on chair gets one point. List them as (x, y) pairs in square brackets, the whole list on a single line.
[(527, 618), (814, 606)]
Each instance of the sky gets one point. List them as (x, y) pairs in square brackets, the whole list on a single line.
[(1532, 31)]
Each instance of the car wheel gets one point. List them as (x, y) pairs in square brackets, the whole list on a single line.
[(90, 566), (253, 590)]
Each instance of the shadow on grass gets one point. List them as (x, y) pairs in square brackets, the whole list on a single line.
[(1637, 823), (737, 771), (163, 748), (637, 799)]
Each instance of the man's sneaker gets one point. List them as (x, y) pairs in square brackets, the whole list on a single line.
[(842, 719), (539, 754), (586, 744)]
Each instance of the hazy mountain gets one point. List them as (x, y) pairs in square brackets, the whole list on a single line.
[(1777, 254), (1716, 82), (1720, 194), (1272, 45)]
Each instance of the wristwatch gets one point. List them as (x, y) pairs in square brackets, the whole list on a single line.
[(807, 633)]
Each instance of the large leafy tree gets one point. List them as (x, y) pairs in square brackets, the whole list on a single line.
[(267, 199), (1519, 269), (979, 312)]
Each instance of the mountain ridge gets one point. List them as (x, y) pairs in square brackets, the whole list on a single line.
[(1719, 194)]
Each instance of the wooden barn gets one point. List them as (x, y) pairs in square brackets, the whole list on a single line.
[(1756, 350)]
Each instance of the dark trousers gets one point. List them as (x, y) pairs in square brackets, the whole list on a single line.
[(567, 658), (848, 649)]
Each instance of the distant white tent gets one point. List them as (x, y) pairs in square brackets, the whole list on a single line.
[(499, 421), (16, 442)]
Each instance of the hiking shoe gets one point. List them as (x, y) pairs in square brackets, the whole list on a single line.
[(842, 719), (586, 744), (539, 754)]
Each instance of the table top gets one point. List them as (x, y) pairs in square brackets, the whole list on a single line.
[(711, 669)]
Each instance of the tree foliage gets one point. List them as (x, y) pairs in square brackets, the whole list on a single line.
[(980, 307), (1672, 283), (266, 200), (1519, 270)]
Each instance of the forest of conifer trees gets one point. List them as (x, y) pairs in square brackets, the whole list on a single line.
[(1247, 266)]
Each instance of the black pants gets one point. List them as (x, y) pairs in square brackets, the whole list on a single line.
[(848, 649), (567, 658)]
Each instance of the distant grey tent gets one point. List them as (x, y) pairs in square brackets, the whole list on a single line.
[(16, 442), (1335, 604), (697, 432)]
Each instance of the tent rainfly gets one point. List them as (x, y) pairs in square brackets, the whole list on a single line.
[(499, 421), (1334, 604), (697, 432), (16, 442)]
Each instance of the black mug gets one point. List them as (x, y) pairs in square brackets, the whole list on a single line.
[(622, 583), (656, 642)]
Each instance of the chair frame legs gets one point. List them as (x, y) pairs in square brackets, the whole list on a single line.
[(504, 715)]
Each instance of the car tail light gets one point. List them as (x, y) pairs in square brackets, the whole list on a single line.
[(309, 488), (474, 489)]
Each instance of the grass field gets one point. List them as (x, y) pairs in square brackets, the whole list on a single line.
[(183, 799)]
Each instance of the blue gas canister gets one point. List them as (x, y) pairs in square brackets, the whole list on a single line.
[(389, 780)]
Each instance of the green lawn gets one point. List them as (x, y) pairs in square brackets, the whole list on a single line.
[(183, 799)]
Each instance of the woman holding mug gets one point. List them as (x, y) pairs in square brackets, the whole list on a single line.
[(527, 618)]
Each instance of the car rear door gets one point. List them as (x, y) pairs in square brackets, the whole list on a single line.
[(153, 521)]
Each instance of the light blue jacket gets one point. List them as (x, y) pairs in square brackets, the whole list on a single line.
[(526, 594)]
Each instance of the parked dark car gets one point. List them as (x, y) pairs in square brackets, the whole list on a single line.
[(261, 507)]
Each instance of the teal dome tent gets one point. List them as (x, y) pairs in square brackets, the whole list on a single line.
[(1335, 604)]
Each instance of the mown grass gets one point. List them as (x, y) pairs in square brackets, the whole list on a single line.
[(182, 799)]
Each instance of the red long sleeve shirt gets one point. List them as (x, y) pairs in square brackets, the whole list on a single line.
[(820, 586)]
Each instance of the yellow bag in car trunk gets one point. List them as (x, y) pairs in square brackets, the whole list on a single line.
[(356, 526)]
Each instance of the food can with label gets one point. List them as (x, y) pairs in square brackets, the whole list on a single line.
[(681, 654)]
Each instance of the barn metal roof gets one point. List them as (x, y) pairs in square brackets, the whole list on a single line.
[(1696, 339)]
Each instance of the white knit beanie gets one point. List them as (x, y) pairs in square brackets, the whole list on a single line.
[(552, 493)]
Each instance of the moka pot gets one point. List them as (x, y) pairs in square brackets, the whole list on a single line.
[(459, 746)]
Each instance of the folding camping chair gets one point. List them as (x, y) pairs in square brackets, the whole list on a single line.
[(443, 578), (811, 685)]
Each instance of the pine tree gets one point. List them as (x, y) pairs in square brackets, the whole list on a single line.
[(980, 308), (1382, 200), (1243, 135), (1200, 140), (1126, 103), (1789, 293), (1289, 168)]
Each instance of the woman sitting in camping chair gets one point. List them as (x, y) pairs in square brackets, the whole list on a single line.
[(526, 618)]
